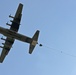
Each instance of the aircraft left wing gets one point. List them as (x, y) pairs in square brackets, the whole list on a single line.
[(7, 46), (17, 18)]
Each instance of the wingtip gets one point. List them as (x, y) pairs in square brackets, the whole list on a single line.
[(38, 30), (30, 52), (0, 60), (20, 4)]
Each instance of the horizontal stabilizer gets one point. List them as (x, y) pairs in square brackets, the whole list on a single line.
[(34, 41)]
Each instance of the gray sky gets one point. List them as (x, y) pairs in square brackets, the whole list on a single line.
[(56, 20)]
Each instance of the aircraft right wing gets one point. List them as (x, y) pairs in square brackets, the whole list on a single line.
[(7, 46)]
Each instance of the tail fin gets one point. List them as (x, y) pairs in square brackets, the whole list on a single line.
[(34, 42)]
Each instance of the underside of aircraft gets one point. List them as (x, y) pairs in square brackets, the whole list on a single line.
[(12, 34)]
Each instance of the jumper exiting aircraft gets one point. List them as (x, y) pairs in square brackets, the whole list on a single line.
[(13, 34)]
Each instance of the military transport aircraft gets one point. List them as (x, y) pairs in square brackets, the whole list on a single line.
[(12, 34)]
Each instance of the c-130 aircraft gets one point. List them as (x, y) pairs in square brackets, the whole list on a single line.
[(12, 34)]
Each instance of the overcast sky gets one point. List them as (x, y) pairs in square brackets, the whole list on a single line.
[(56, 20)]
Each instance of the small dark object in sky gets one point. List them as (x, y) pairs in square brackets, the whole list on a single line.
[(40, 45)]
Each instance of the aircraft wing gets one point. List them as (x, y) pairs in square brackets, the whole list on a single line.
[(7, 46), (14, 26), (17, 18)]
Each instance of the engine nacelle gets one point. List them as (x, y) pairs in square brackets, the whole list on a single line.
[(3, 43), (3, 38), (11, 16), (8, 24), (11, 21), (15, 22), (1, 47)]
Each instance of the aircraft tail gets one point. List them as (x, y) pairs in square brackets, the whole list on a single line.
[(34, 41)]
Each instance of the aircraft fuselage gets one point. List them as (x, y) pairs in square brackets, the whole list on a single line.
[(12, 34)]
